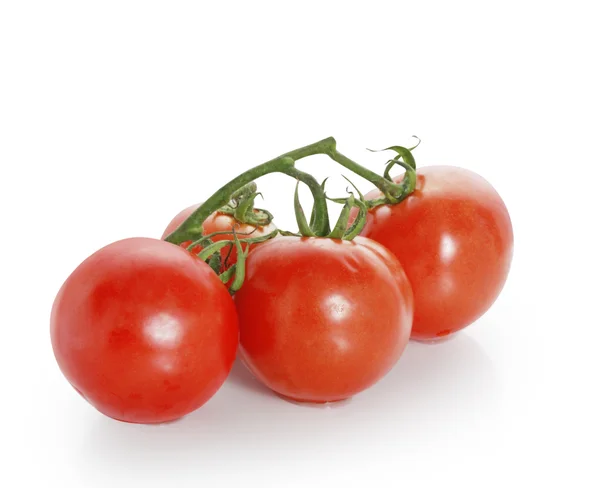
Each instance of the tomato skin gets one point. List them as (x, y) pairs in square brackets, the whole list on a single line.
[(322, 319), (144, 331), (218, 222), (454, 238)]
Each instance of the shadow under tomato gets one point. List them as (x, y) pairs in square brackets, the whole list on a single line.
[(432, 389), (431, 377)]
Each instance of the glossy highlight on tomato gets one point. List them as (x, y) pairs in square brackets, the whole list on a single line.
[(144, 331), (454, 238), (322, 319), (220, 222)]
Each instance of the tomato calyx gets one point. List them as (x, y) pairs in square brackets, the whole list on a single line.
[(240, 201), (241, 207), (400, 190), (237, 197), (342, 229), (392, 192), (211, 254), (209, 247), (191, 228), (396, 192)]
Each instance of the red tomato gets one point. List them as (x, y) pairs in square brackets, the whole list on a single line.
[(454, 238), (217, 222), (322, 319), (144, 331)]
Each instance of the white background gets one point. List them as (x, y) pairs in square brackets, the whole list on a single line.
[(114, 115)]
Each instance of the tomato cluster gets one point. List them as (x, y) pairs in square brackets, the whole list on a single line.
[(147, 331)]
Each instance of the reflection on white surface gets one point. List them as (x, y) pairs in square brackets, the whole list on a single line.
[(338, 307), (163, 329), (433, 391), (447, 248)]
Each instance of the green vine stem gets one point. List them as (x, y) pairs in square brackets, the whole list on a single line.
[(339, 231), (349, 233), (393, 192), (313, 212), (229, 273), (240, 271), (361, 218), (191, 228), (303, 226), (215, 247), (241, 207), (207, 239), (408, 183)]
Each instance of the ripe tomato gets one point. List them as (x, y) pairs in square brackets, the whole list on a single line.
[(218, 222), (322, 319), (454, 238), (145, 331)]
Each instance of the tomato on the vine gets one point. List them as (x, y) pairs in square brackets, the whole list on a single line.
[(220, 222), (144, 331), (322, 319), (454, 238)]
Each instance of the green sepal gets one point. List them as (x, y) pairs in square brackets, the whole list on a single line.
[(303, 226)]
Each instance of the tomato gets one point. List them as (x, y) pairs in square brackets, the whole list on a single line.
[(454, 238), (322, 319), (218, 222), (145, 331)]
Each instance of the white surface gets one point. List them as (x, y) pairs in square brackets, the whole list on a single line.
[(115, 115)]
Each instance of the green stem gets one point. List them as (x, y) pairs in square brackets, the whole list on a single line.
[(342, 224), (244, 192), (243, 207), (205, 241), (226, 275), (407, 185), (359, 222), (393, 192), (191, 228), (379, 181), (303, 226), (211, 249), (246, 213), (320, 216), (313, 213), (240, 271)]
